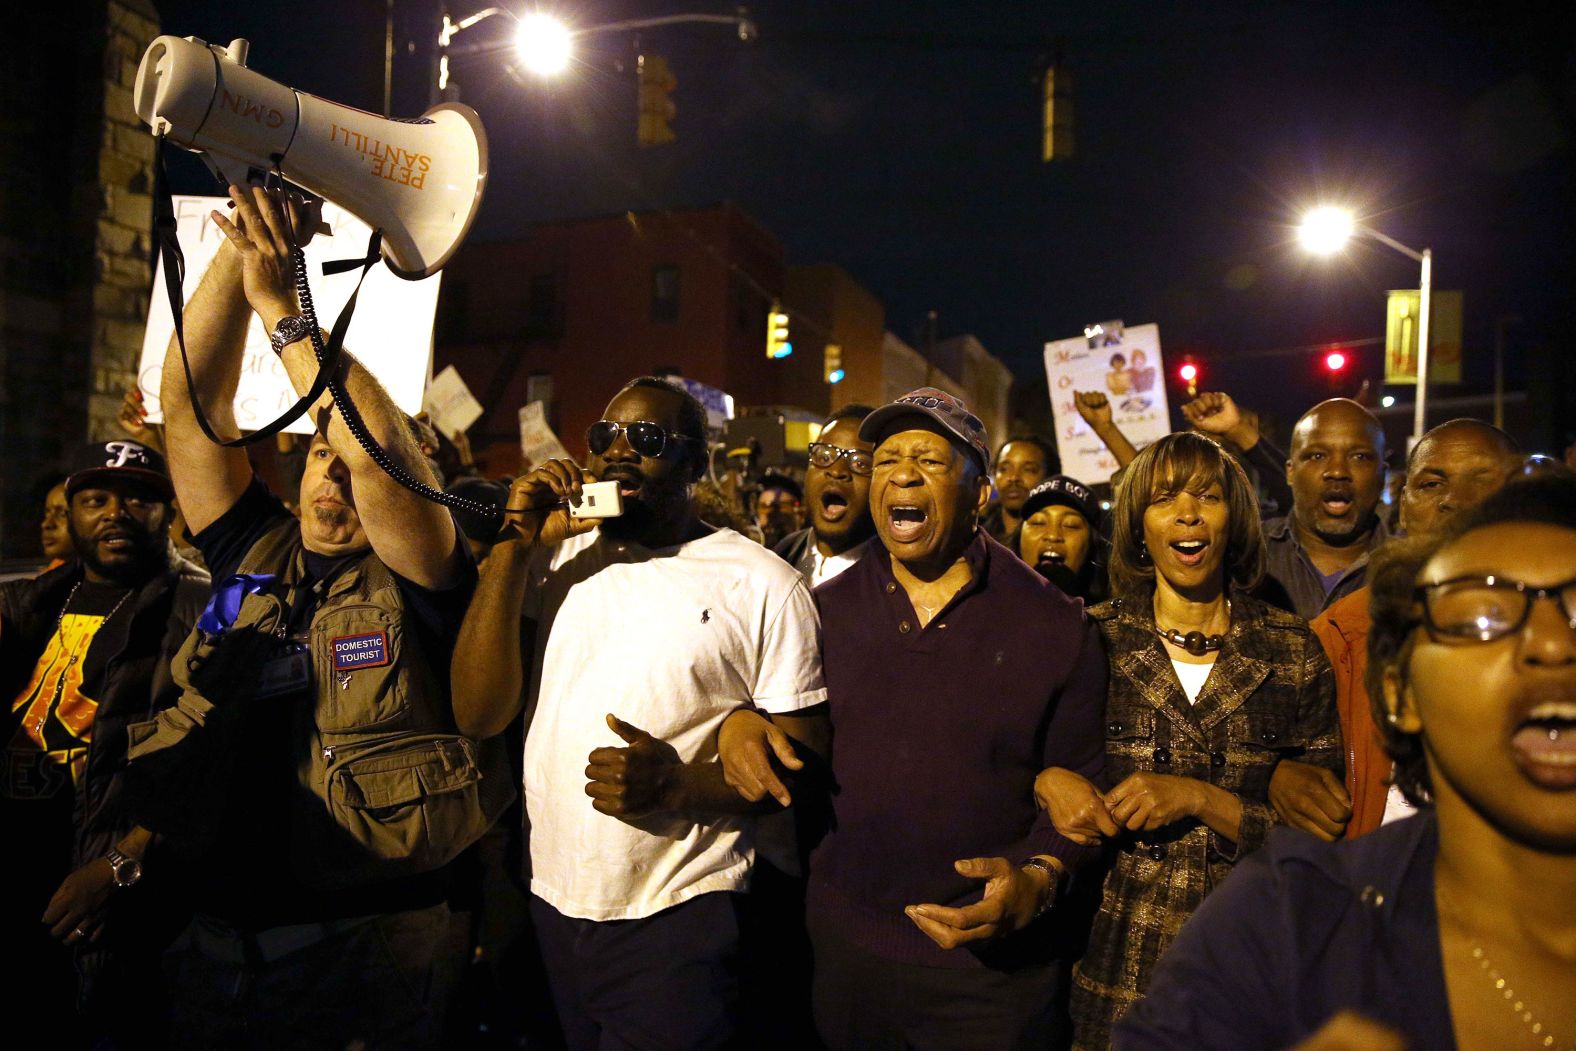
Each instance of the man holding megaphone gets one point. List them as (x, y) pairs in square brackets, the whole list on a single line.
[(311, 771)]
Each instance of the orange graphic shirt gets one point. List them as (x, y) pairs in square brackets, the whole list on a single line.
[(53, 714)]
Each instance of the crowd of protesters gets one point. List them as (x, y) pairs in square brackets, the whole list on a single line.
[(932, 747)]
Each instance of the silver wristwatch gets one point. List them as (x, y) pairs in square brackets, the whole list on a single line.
[(126, 869), (291, 329)]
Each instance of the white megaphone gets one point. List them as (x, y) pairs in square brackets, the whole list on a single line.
[(418, 182)]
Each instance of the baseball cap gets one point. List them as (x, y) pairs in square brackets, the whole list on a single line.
[(937, 405), (1067, 492), (120, 458)]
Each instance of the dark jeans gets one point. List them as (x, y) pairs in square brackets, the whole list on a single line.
[(868, 1003), (665, 981), (367, 984)]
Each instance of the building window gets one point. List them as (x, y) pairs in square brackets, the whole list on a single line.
[(665, 293), (541, 306)]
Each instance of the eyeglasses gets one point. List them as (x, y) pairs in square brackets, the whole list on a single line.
[(646, 438), (1482, 609), (824, 455)]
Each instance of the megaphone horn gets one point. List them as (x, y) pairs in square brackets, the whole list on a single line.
[(418, 182)]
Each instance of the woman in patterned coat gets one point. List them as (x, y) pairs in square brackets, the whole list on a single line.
[(1209, 689)]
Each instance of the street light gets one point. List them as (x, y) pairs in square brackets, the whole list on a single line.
[(546, 45), (1326, 229), (543, 44)]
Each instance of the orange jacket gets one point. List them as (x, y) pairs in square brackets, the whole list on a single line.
[(1343, 631)]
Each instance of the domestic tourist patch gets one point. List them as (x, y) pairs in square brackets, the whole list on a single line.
[(361, 651)]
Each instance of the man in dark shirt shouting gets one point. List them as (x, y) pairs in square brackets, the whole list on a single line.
[(954, 675)]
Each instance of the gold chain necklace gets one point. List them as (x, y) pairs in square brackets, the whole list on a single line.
[(71, 657), (1517, 1005)]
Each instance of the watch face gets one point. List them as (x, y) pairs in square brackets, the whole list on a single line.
[(289, 330), (127, 872)]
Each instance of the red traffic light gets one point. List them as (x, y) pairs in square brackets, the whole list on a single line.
[(1335, 361), (1188, 373)]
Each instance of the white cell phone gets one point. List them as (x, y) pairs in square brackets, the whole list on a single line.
[(598, 500)]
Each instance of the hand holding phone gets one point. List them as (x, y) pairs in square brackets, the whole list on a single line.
[(598, 500)]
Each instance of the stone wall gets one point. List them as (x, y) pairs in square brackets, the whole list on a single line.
[(75, 221), (123, 248)]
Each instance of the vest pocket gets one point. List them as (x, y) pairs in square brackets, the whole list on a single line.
[(356, 651), (409, 805)]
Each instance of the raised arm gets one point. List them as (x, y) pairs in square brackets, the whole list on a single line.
[(488, 694), (208, 478), (1214, 412), (412, 535), (1095, 408)]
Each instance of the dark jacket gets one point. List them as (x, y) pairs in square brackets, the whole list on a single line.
[(1302, 931), (1290, 580), (792, 547), (1271, 694), (137, 679)]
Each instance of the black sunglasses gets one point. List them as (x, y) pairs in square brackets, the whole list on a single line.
[(1482, 609), (645, 438)]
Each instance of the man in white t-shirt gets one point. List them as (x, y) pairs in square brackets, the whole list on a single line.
[(648, 632)]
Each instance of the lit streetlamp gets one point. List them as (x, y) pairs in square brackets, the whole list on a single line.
[(1325, 230), (545, 46)]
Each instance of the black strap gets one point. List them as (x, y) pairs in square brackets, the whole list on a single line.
[(164, 228)]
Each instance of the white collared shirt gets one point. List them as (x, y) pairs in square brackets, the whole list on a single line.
[(817, 568)]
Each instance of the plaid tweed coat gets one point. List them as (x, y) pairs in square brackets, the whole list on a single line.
[(1271, 694)]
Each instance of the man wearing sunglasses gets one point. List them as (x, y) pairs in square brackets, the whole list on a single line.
[(837, 492), (646, 633), (1454, 467)]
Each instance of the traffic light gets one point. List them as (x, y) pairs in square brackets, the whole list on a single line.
[(1188, 373), (777, 345), (833, 366), (1335, 361), (655, 104), (1056, 121)]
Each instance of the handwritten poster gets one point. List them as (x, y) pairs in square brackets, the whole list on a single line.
[(390, 332), (1125, 365)]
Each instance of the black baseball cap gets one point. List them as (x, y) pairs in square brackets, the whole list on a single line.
[(120, 458), (1068, 492)]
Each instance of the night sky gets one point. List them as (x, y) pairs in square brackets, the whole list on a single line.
[(901, 141)]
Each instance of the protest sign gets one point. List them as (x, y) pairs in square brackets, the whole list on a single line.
[(537, 441), (1124, 364), (390, 333), (450, 403)]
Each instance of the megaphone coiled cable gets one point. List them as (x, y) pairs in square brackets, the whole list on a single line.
[(347, 409)]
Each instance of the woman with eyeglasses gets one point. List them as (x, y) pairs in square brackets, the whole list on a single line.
[(1455, 927), (1209, 688)]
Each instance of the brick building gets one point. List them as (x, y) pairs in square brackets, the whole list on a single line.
[(574, 309), (569, 312)]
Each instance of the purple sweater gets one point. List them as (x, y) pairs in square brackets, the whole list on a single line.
[(938, 734)]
